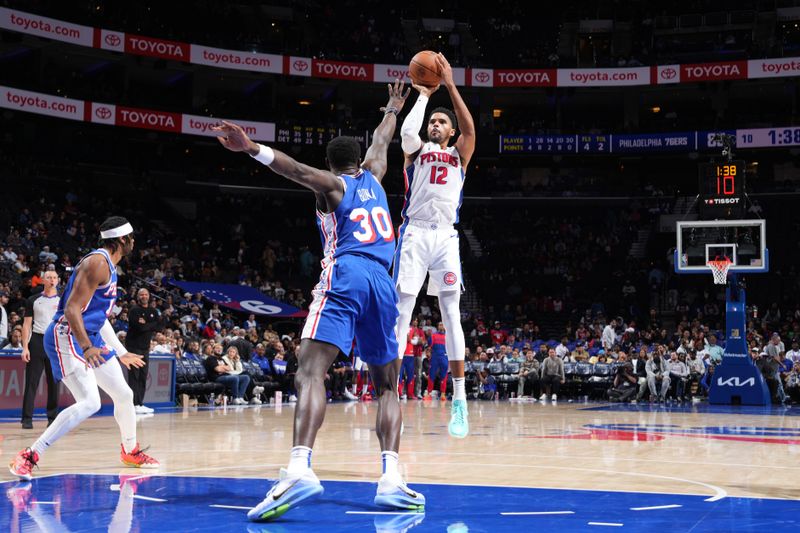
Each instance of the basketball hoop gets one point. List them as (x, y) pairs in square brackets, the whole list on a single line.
[(719, 267)]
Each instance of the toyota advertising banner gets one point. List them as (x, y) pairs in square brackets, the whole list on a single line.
[(30, 24)]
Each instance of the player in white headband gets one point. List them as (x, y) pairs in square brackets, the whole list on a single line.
[(85, 352)]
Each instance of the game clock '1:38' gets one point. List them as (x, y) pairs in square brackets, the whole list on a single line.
[(767, 137)]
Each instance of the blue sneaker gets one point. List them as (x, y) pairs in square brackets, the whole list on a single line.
[(286, 494), (395, 494), (459, 425)]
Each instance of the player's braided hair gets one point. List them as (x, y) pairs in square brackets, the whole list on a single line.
[(449, 113)]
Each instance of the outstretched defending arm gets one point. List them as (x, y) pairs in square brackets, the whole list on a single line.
[(466, 141), (375, 160), (233, 137)]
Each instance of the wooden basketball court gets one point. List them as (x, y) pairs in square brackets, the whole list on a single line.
[(691, 466)]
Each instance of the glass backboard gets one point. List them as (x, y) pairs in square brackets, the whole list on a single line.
[(744, 242)]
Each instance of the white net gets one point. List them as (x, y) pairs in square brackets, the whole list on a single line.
[(719, 267)]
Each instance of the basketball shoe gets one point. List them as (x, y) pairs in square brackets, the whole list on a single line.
[(459, 424), (23, 464), (394, 493), (137, 458), (285, 494)]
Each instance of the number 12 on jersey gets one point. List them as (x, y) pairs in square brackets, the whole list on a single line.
[(439, 175), (382, 222)]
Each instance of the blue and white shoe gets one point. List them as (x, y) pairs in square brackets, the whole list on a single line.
[(395, 494), (459, 422), (289, 491)]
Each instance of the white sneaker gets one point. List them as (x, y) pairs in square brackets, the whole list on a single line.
[(290, 490), (434, 394), (554, 398), (394, 493), (239, 401), (350, 396), (543, 398), (141, 410), (255, 401), (148, 409), (292, 398), (403, 397)]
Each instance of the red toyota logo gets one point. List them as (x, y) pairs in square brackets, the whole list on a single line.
[(102, 113), (668, 73), (482, 77), (300, 65), (450, 278), (112, 39)]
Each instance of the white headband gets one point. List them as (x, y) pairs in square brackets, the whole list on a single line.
[(119, 231)]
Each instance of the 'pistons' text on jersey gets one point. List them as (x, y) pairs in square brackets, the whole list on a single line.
[(434, 185)]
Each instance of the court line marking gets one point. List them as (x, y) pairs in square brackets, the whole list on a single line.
[(534, 513), (231, 507), (610, 524), (385, 512), (719, 493), (46, 503), (149, 498), (671, 506)]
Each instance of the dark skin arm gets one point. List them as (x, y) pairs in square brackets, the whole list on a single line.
[(90, 274), (326, 186), (466, 141), (375, 160)]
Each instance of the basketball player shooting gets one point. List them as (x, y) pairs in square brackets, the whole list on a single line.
[(428, 241), (85, 352), (355, 297)]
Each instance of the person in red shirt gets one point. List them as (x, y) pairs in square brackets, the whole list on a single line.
[(498, 334)]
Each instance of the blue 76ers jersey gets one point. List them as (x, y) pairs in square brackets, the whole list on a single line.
[(360, 225), (97, 310)]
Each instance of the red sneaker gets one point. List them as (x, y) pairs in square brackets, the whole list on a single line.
[(366, 397), (137, 458), (23, 464)]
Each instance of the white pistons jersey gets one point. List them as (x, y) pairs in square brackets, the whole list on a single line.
[(434, 185)]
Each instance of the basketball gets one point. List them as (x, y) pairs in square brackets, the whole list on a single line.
[(424, 70)]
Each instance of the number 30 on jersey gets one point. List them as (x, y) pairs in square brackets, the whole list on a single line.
[(377, 219)]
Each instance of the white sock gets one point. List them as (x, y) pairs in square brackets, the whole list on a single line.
[(390, 460), (300, 459), (459, 391), (365, 388)]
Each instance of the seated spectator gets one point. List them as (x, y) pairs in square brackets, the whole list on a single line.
[(625, 381), (768, 367), (552, 373), (657, 373), (221, 370), (638, 362), (488, 385), (192, 352), (697, 370), (678, 374), (529, 382), (793, 383), (15, 341), (250, 323)]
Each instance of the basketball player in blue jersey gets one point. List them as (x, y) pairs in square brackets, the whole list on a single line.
[(85, 353), (355, 297), (428, 241)]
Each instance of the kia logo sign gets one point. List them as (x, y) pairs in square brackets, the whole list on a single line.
[(113, 40), (482, 77), (300, 65), (668, 73), (103, 113)]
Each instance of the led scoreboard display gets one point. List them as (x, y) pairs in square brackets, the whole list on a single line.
[(722, 189)]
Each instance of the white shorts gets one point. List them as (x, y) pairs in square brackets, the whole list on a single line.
[(426, 248), (63, 351)]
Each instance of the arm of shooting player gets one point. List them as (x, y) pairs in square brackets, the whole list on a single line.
[(233, 137), (91, 273), (466, 141), (375, 160)]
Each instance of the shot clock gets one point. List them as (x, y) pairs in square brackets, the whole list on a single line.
[(721, 187)]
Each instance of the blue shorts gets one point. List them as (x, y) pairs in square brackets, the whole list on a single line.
[(439, 367), (63, 351), (355, 298), (407, 368)]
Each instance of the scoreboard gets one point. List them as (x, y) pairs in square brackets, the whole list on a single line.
[(722, 189)]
